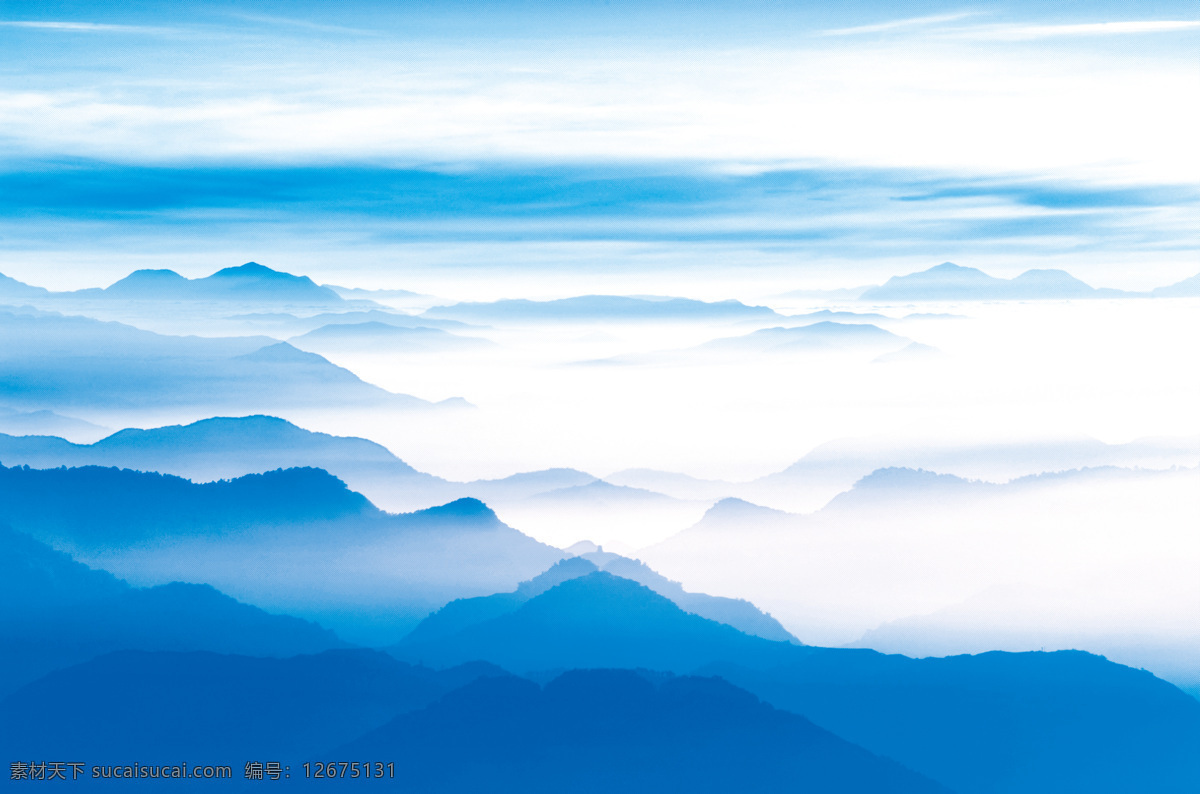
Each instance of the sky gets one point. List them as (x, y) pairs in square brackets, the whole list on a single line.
[(397, 144)]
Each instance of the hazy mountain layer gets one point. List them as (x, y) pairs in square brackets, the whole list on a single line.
[(296, 541), (55, 611)]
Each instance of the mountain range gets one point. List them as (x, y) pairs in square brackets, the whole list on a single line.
[(949, 281), (55, 611), (51, 361), (295, 541), (996, 722), (593, 308)]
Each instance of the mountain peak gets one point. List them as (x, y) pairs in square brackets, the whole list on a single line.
[(466, 508), (254, 270)]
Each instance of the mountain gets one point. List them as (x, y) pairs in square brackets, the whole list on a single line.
[(46, 423), (377, 336), (50, 361), (461, 614), (1089, 558), (618, 730), (250, 282), (592, 308), (680, 486), (55, 611), (949, 281), (295, 541), (1188, 288), (229, 447), (282, 323), (834, 467), (836, 316), (823, 335), (594, 620), (215, 708), (13, 290), (998, 723)]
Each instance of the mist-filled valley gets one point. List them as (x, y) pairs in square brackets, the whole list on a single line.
[(588, 397), (748, 488)]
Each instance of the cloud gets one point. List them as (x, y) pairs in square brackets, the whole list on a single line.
[(1036, 32), (83, 27), (897, 24), (302, 24)]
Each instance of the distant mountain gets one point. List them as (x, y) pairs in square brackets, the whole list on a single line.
[(250, 282), (817, 336), (357, 292), (731, 512), (837, 316), (618, 730), (55, 611), (11, 289), (49, 361), (949, 281), (461, 614), (214, 708), (834, 467), (47, 423), (384, 337), (591, 308), (527, 484), (680, 486), (598, 493), (913, 351), (229, 447), (1188, 288), (295, 541), (282, 323)]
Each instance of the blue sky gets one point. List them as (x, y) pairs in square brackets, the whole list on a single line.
[(1023, 130)]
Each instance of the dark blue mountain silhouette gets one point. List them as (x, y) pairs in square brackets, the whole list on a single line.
[(595, 620), (616, 730), (462, 613), (48, 360), (949, 281), (588, 308), (997, 722), (248, 282), (55, 611), (95, 507), (169, 707)]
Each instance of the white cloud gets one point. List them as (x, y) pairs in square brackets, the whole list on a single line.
[(1035, 32), (82, 27), (897, 24)]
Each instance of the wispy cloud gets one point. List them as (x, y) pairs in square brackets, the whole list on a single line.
[(1033, 32), (303, 24), (898, 24), (82, 27)]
